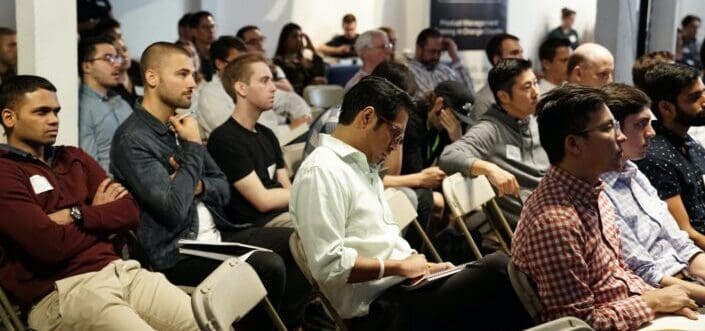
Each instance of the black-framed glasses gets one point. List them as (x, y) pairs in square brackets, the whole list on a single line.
[(110, 58), (612, 125), (396, 131)]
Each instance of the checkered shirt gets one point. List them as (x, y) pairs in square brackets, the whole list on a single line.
[(567, 242)]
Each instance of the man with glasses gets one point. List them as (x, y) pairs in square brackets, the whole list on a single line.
[(100, 109), (504, 144), (567, 241), (426, 66), (353, 244), (254, 41), (675, 163), (373, 48), (652, 244)]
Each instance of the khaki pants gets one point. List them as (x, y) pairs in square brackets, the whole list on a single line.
[(282, 220), (121, 296)]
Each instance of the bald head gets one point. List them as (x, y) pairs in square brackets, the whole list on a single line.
[(590, 65)]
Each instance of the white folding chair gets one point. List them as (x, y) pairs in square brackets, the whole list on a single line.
[(405, 214), (323, 96), (297, 251), (293, 155), (525, 291), (228, 294), (568, 323), (465, 195)]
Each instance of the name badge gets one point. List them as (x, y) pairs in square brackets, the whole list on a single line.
[(271, 170), (513, 153), (40, 184)]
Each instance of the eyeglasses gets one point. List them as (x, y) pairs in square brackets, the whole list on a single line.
[(385, 46), (110, 58), (612, 125), (396, 131), (255, 41)]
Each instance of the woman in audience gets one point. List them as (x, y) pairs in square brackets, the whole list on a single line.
[(298, 59)]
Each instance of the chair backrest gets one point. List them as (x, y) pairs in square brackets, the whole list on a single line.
[(226, 295), (293, 155), (324, 96), (524, 289), (568, 323), (465, 194), (403, 211), (342, 73)]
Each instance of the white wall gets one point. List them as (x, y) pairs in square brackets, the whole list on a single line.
[(694, 7), (7, 13)]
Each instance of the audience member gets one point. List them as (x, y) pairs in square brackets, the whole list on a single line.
[(392, 37), (59, 210), (590, 65), (689, 48), (426, 66), (567, 241), (553, 54), (373, 48), (342, 45), (353, 245), (184, 30), (675, 163), (652, 244), (100, 109), (504, 144), (499, 47), (181, 190), (203, 30), (8, 53), (645, 63), (565, 30), (249, 152), (254, 42), (300, 68)]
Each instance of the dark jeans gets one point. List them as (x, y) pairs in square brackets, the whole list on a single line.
[(477, 298), (287, 288)]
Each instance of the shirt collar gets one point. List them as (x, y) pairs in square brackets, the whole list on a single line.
[(88, 91), (49, 152), (575, 187), (346, 151), (625, 175), (502, 116), (152, 122), (675, 140)]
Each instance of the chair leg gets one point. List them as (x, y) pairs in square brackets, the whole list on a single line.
[(278, 323), (461, 224), (502, 219), (6, 320), (427, 241), (10, 311)]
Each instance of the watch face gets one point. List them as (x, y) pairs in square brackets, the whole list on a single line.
[(76, 213)]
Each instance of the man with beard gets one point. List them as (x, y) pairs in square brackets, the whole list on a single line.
[(675, 163), (430, 44), (100, 109)]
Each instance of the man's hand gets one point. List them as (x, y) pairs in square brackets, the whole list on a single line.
[(505, 182), (300, 120), (671, 299), (175, 165), (413, 266), (451, 124), (436, 267), (431, 177), (186, 128), (108, 191), (343, 49), (61, 217), (452, 49)]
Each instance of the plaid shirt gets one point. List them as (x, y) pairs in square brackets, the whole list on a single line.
[(652, 244), (428, 79), (567, 242)]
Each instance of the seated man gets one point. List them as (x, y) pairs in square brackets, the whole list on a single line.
[(499, 47), (675, 163), (590, 65), (181, 190), (100, 109), (249, 152), (504, 144), (353, 245), (59, 208), (342, 45), (254, 42), (426, 66), (567, 241), (652, 244), (553, 54), (373, 48)]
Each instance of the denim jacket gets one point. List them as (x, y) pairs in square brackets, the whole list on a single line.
[(139, 157)]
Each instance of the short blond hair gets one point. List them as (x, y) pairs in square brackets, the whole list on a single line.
[(240, 70)]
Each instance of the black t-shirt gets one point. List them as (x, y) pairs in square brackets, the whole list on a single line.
[(92, 9), (239, 151), (341, 40), (422, 145)]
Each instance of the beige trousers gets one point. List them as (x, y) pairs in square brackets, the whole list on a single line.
[(121, 296), (282, 220)]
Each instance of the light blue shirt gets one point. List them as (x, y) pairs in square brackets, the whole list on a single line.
[(652, 244), (339, 210), (98, 118)]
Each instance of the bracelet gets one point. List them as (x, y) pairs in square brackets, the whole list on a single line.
[(381, 268)]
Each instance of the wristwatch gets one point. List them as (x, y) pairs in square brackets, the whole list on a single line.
[(76, 215)]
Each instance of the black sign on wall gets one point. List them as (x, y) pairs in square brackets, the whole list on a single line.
[(471, 23)]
